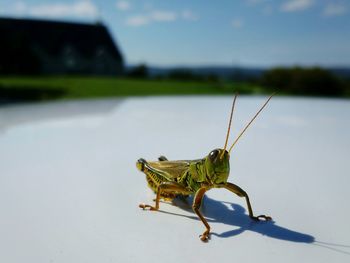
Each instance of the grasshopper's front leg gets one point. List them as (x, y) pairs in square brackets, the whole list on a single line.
[(197, 201), (166, 187), (240, 192)]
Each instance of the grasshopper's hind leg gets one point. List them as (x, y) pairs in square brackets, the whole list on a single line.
[(166, 187), (240, 192)]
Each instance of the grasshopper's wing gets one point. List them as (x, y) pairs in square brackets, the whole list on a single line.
[(172, 169)]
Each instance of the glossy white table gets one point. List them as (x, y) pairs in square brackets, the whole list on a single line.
[(69, 188)]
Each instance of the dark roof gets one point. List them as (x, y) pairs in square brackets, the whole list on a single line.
[(51, 35)]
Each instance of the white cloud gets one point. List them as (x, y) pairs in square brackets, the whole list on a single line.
[(189, 15), (296, 5), (123, 5), (163, 16), (265, 5), (83, 8), (267, 10), (154, 16), (138, 20), (18, 8), (255, 2), (335, 10), (237, 23), (157, 16)]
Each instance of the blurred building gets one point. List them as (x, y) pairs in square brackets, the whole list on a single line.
[(46, 47)]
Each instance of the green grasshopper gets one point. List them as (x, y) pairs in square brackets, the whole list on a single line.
[(169, 179)]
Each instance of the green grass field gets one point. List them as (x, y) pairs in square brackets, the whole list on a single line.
[(44, 88)]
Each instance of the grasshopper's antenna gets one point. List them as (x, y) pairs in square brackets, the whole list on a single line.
[(229, 125), (246, 127)]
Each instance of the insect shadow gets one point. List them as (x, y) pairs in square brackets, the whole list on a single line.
[(234, 215)]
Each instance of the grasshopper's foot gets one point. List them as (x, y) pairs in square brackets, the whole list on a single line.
[(148, 207), (262, 218), (205, 236), (162, 158)]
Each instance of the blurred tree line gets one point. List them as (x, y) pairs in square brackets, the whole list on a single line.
[(314, 81), (304, 81), (182, 74)]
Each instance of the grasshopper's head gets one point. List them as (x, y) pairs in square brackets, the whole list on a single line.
[(218, 165), (217, 162)]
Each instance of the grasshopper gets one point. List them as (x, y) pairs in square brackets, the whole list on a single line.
[(169, 179)]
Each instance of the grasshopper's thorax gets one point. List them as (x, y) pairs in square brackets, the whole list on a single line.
[(217, 165)]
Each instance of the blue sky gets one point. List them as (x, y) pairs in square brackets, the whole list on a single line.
[(259, 33)]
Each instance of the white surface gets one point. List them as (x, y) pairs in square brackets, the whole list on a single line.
[(69, 188)]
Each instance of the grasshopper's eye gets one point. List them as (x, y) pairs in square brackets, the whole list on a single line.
[(213, 155)]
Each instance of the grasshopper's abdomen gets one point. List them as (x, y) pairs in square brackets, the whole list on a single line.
[(153, 177)]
